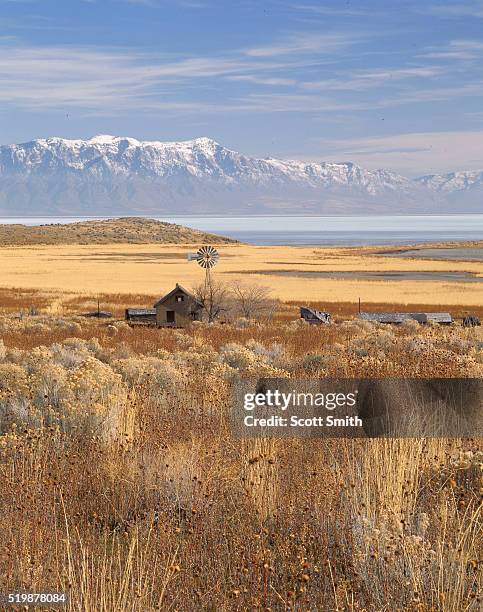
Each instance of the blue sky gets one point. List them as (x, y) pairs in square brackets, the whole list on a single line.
[(385, 84)]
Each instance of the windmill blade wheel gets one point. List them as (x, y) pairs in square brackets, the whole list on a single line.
[(207, 257)]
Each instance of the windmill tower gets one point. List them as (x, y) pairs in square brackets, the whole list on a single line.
[(207, 257)]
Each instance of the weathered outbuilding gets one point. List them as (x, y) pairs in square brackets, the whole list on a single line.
[(443, 318), (178, 308), (145, 316), (315, 317)]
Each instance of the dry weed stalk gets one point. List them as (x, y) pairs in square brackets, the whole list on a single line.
[(159, 507)]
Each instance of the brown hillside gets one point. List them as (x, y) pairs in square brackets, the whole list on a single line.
[(122, 230)]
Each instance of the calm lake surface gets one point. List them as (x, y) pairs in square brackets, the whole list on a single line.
[(328, 231), (466, 277)]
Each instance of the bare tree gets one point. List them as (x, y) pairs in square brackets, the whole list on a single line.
[(215, 298), (253, 301)]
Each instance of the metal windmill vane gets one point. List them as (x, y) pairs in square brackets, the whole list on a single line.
[(207, 257)]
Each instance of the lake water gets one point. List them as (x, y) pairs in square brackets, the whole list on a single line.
[(455, 254), (323, 231), (459, 277)]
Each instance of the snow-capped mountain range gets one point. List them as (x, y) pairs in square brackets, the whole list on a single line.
[(118, 175)]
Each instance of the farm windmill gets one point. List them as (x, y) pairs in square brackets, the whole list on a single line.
[(207, 257)]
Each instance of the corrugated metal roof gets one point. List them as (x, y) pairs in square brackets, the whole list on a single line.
[(439, 317), (399, 317), (384, 317), (141, 312)]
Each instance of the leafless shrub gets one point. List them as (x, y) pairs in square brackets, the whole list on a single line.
[(253, 301), (215, 298), (410, 326)]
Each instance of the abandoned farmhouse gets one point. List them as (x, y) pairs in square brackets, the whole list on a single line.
[(177, 308)]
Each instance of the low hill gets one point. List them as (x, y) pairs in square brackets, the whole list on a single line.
[(126, 230)]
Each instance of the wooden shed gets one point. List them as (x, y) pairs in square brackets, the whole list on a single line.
[(178, 308), (443, 318), (316, 317), (141, 316)]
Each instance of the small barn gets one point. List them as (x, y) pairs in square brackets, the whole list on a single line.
[(178, 308), (396, 318), (315, 317), (141, 316)]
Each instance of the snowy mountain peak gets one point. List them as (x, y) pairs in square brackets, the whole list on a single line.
[(102, 139), (204, 141), (108, 139), (112, 174), (453, 181)]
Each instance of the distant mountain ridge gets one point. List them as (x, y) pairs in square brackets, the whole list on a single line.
[(121, 175), (453, 181)]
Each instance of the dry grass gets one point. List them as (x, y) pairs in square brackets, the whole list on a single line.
[(23, 300), (155, 268), (122, 485)]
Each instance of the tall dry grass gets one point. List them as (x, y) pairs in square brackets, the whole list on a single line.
[(158, 507)]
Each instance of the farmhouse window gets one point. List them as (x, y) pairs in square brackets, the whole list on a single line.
[(180, 298)]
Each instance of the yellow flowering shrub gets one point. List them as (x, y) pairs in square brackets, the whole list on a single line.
[(150, 373), (13, 380)]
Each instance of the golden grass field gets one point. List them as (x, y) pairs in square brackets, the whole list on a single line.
[(122, 484), (153, 269)]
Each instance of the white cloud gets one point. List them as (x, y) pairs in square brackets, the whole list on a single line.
[(459, 55), (472, 89), (455, 49), (162, 3), (329, 11), (37, 77), (270, 81), (300, 103), (411, 154), (305, 44), (360, 81), (471, 45), (402, 73), (461, 9), (114, 79)]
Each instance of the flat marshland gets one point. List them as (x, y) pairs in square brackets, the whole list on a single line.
[(302, 273), (122, 485)]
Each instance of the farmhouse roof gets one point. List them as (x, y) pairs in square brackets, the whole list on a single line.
[(171, 293)]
